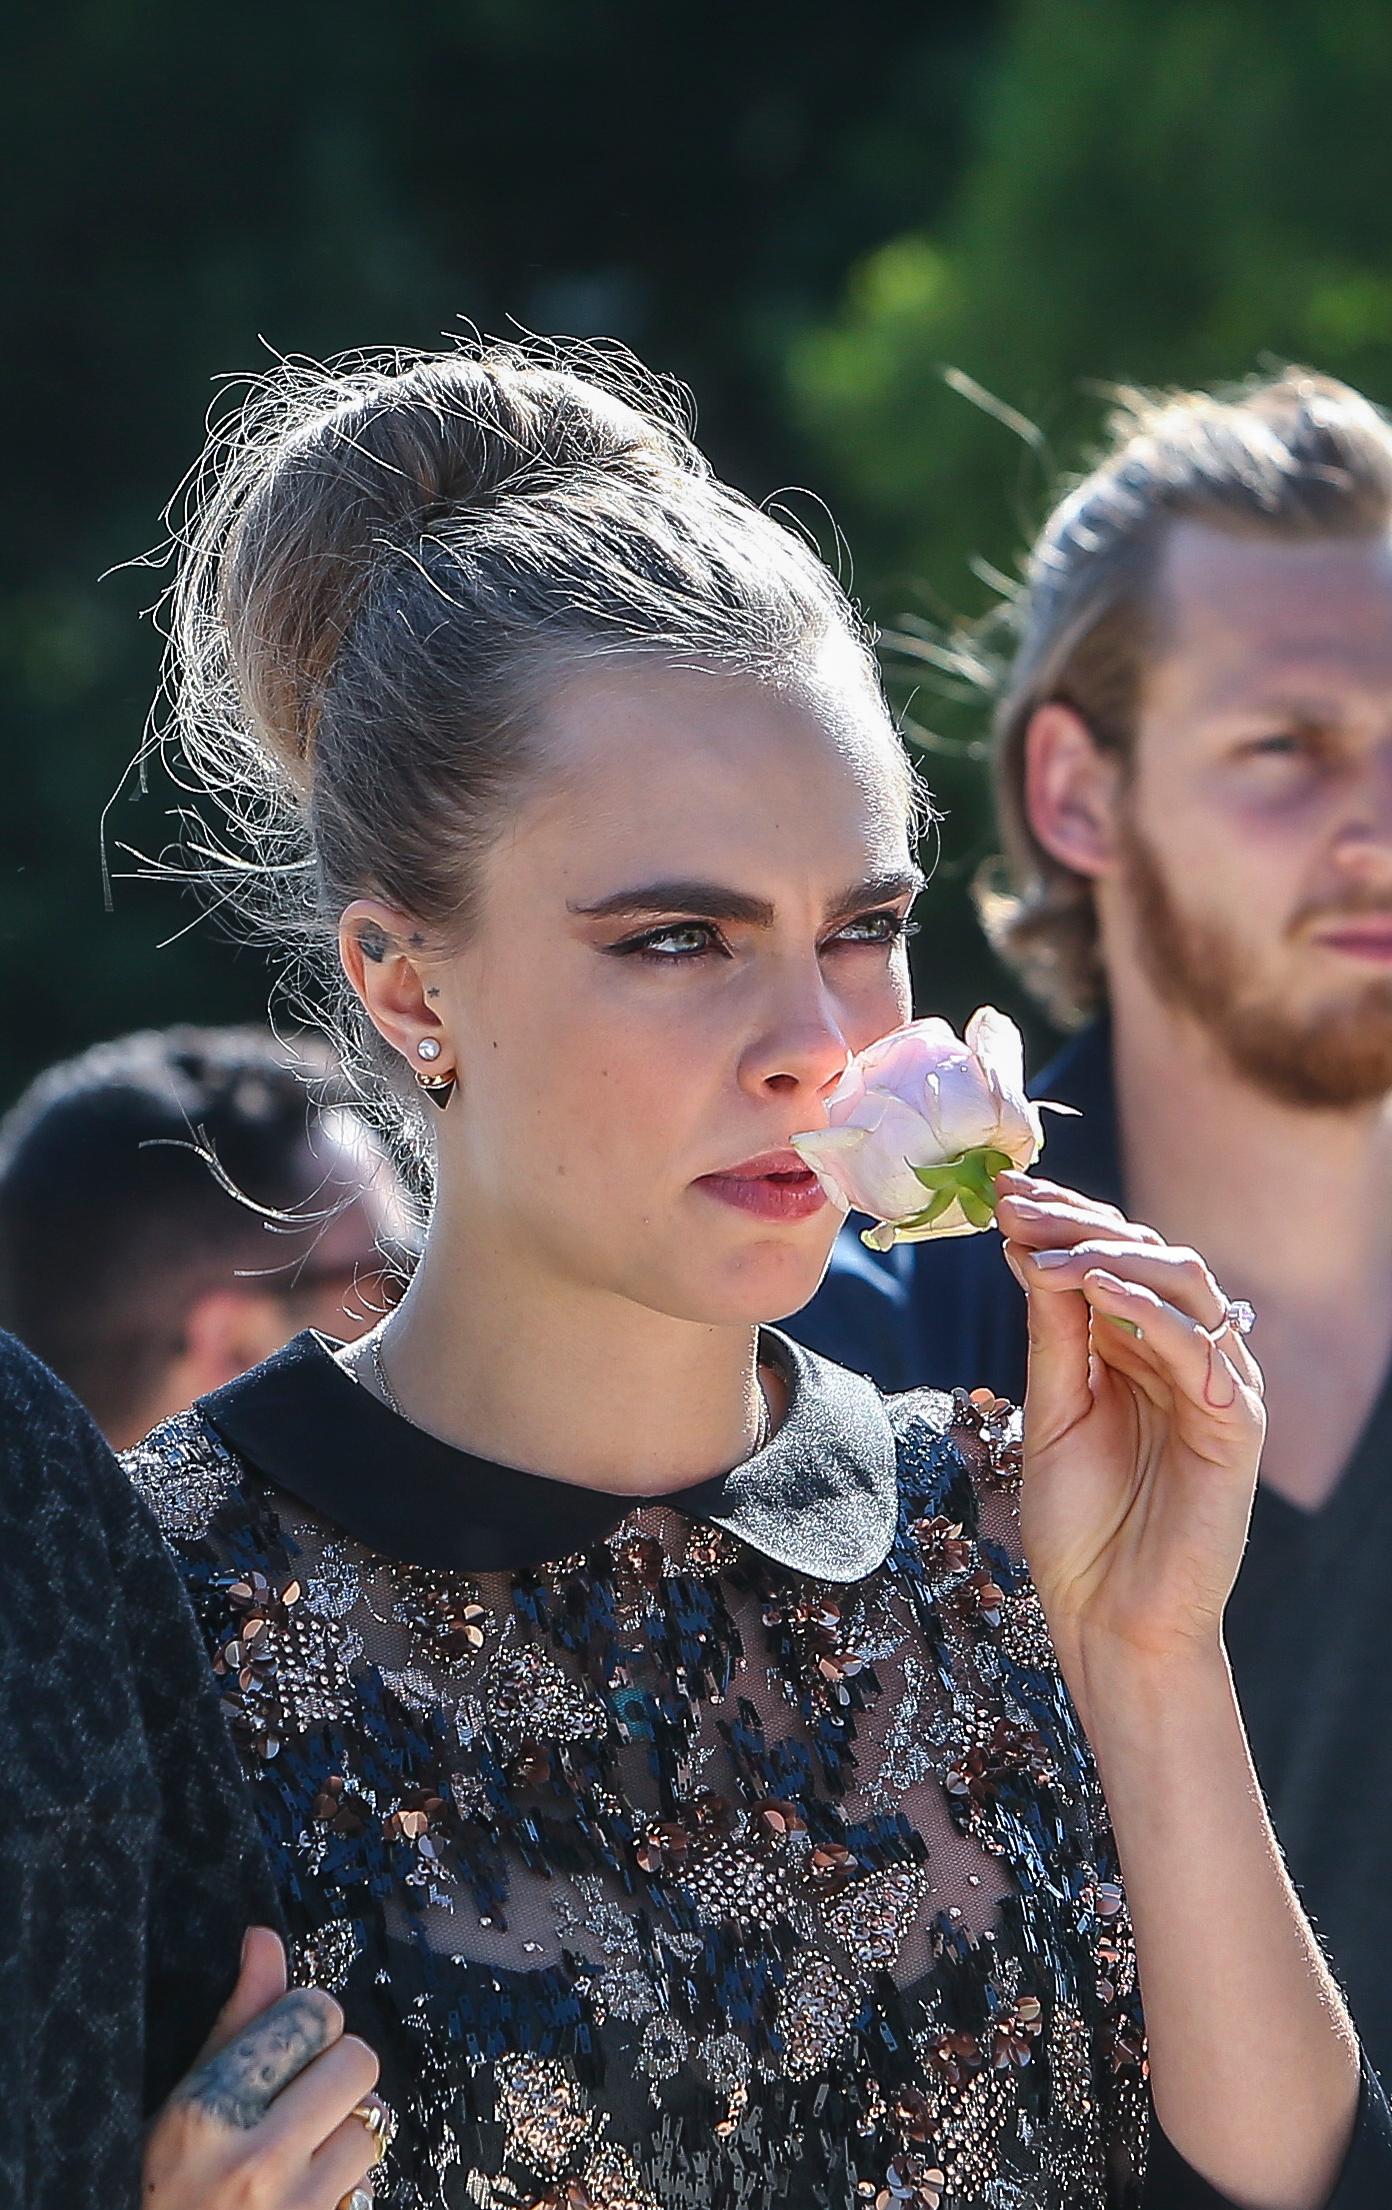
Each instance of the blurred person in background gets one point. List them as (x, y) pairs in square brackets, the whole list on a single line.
[(174, 1206), (1194, 783)]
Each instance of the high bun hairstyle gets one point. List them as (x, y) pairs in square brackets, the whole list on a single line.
[(387, 562)]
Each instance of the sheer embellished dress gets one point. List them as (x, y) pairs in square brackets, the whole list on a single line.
[(735, 1851)]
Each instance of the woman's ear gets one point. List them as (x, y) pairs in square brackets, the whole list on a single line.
[(385, 958), (1071, 789)]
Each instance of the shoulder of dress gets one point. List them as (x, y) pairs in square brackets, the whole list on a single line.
[(911, 1411), (959, 1448), (962, 1413), (186, 1474)]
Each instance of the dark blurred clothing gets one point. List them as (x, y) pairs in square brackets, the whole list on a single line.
[(1309, 1627), (129, 1863)]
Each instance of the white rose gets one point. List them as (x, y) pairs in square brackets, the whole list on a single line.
[(921, 1123)]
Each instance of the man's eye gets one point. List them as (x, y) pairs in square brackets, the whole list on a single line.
[(878, 928), (1281, 744)]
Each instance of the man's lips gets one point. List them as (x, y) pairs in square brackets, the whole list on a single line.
[(1369, 938), (776, 1186)]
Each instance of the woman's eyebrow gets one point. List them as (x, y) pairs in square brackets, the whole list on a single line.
[(899, 882), (711, 901)]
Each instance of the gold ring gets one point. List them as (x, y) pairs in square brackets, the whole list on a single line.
[(380, 2124)]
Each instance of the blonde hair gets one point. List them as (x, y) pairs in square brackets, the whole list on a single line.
[(384, 565), (1296, 455)]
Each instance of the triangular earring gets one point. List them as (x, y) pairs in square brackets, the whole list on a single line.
[(439, 1088)]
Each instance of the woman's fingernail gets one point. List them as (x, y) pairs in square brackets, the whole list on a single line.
[(1052, 1258)]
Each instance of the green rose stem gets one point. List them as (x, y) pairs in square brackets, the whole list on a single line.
[(968, 1180)]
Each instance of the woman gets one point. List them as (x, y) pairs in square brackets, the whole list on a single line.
[(665, 1753)]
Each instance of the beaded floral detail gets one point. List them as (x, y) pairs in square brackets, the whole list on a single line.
[(666, 1878)]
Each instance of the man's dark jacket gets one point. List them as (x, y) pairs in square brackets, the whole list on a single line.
[(1309, 1625), (129, 1863)]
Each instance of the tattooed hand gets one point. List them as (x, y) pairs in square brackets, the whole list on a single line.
[(265, 2116)]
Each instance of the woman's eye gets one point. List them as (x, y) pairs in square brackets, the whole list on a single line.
[(877, 928), (680, 941)]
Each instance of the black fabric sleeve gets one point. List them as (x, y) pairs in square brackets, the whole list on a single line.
[(129, 1865), (1365, 2183), (210, 1879)]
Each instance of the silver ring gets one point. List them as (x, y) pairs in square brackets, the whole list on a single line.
[(1238, 1317)]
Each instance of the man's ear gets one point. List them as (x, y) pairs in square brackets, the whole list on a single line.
[(227, 1331), (1071, 788), (386, 959)]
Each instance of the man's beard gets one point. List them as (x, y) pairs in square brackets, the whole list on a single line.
[(1335, 1057)]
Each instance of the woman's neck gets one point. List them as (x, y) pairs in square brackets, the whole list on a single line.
[(580, 1384)]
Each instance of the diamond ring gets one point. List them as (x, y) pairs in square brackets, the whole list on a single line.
[(1238, 1317)]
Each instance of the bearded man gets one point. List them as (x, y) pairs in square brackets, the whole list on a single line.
[(1194, 784)]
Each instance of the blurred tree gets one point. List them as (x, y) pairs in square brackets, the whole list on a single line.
[(1152, 195), (182, 185)]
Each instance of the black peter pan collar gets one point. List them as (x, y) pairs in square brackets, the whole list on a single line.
[(821, 1498)]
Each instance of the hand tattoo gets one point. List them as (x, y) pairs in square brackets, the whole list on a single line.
[(239, 2084)]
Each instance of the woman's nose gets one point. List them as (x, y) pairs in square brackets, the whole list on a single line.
[(802, 1048)]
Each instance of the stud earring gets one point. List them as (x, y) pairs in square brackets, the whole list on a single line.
[(439, 1088)]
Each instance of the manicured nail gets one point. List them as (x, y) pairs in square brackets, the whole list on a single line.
[(1052, 1258)]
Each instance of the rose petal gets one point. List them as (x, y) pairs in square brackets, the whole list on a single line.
[(1000, 1047)]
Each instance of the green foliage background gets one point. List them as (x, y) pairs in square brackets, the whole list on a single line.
[(808, 213)]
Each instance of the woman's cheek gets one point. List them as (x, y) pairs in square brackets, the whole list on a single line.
[(875, 1011)]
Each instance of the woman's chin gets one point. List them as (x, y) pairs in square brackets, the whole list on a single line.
[(771, 1285), (761, 1281)]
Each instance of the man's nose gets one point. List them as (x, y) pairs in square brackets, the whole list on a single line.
[(1363, 846)]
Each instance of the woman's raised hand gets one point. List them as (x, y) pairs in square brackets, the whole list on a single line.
[(266, 2117), (1143, 1429)]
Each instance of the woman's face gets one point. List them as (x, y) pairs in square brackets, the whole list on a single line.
[(691, 923)]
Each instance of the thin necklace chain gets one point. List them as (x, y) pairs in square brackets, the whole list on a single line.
[(762, 1434), (380, 1374)]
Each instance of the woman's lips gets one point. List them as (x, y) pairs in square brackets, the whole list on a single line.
[(788, 1191)]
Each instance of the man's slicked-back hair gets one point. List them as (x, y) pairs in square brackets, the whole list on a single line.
[(111, 1219), (1296, 456)]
